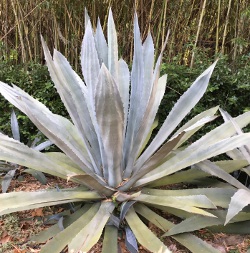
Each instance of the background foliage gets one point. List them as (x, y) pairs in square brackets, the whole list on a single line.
[(201, 30), (214, 26)]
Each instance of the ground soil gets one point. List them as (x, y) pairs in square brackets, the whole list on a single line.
[(15, 229)]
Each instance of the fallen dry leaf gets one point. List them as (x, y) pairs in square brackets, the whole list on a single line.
[(38, 212), (5, 239)]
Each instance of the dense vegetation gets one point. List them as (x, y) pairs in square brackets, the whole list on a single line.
[(207, 29), (214, 26), (103, 124)]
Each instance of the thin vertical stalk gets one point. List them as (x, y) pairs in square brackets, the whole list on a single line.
[(198, 32), (19, 32), (164, 23), (236, 29), (25, 28), (172, 43), (225, 28), (150, 15), (217, 28)]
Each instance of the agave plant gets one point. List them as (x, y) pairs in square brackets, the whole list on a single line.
[(106, 150), (11, 168)]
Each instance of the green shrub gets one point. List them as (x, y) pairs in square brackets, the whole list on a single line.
[(34, 79), (104, 149)]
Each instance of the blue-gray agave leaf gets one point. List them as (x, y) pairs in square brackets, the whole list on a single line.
[(110, 118), (14, 126)]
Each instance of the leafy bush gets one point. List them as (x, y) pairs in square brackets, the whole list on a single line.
[(104, 151), (33, 78), (11, 168), (229, 88)]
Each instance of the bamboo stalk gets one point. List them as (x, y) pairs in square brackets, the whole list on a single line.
[(164, 23), (150, 15), (217, 28), (25, 28), (19, 29), (198, 32), (225, 28), (236, 31)]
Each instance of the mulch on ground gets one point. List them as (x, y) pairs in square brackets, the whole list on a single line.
[(16, 229)]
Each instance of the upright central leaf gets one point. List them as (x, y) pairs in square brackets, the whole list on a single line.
[(110, 118)]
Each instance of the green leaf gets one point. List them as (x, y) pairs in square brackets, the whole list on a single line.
[(61, 240), (7, 179), (37, 174), (191, 156), (91, 233), (215, 170), (110, 240), (147, 122), (57, 128), (54, 230), (190, 203), (195, 173), (183, 106), (56, 164), (239, 200), (191, 242), (144, 236), (14, 126), (219, 196), (72, 91), (194, 223), (19, 201)]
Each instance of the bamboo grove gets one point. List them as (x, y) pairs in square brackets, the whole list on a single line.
[(211, 26)]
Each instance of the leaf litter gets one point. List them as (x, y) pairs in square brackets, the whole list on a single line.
[(15, 229)]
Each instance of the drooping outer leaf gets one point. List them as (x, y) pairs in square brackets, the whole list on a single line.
[(198, 222), (58, 129), (187, 101), (189, 203), (239, 200), (91, 233), (218, 196), (19, 201), (190, 156), (110, 118), (191, 242), (215, 170), (245, 150), (144, 236), (110, 240), (58, 243), (195, 173), (53, 230), (55, 163)]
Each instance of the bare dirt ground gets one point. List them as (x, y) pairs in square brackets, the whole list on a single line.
[(16, 229)]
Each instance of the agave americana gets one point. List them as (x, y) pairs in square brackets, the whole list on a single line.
[(106, 150)]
